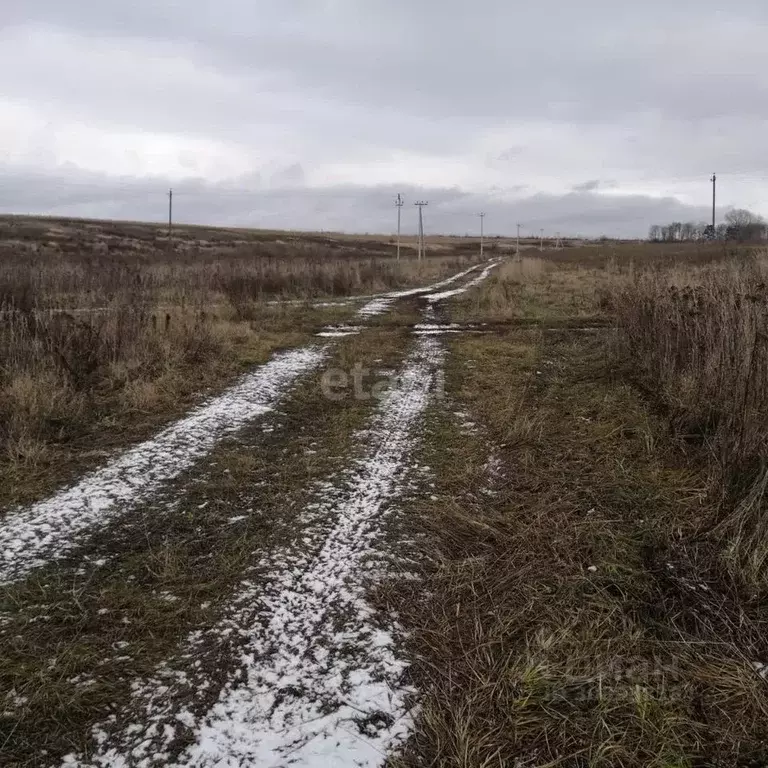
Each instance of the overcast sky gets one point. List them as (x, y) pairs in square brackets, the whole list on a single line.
[(596, 117)]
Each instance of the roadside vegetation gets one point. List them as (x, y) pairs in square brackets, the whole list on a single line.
[(697, 339), (594, 548), (107, 330)]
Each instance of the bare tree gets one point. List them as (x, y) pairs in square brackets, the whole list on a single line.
[(740, 225), (744, 226)]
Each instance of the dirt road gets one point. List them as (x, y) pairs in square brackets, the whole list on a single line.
[(294, 666)]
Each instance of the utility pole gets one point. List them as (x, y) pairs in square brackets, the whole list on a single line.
[(170, 216), (420, 205), (714, 187), (399, 203), (482, 216), (541, 242), (517, 247)]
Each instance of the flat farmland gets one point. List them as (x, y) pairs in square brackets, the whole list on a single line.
[(273, 498)]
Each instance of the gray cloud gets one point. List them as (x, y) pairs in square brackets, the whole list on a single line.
[(587, 186), (590, 117), (349, 208), (595, 184), (454, 59)]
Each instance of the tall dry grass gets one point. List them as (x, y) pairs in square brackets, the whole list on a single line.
[(98, 328), (536, 290), (50, 279), (60, 374), (697, 339), (573, 615)]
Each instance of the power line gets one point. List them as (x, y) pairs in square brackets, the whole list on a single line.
[(420, 205), (714, 188)]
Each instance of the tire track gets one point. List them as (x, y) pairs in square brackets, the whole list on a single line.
[(32, 537), (318, 680), (46, 531), (433, 297), (383, 303)]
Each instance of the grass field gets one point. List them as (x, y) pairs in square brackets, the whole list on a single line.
[(513, 519), (596, 559), (107, 331)]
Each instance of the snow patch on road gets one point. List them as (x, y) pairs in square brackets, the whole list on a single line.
[(381, 304), (46, 531), (319, 682), (433, 297), (435, 329), (376, 307), (335, 331)]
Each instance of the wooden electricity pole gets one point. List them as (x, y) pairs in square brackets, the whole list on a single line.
[(420, 205), (399, 203), (170, 216)]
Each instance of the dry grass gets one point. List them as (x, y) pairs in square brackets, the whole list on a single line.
[(601, 255), (106, 331), (593, 595), (74, 265), (84, 280), (72, 389), (697, 340), (567, 619), (534, 290), (577, 611)]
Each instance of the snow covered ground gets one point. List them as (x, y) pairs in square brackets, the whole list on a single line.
[(319, 682), (32, 537), (336, 331), (440, 296), (380, 304)]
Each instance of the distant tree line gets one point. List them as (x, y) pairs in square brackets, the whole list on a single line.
[(740, 225)]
